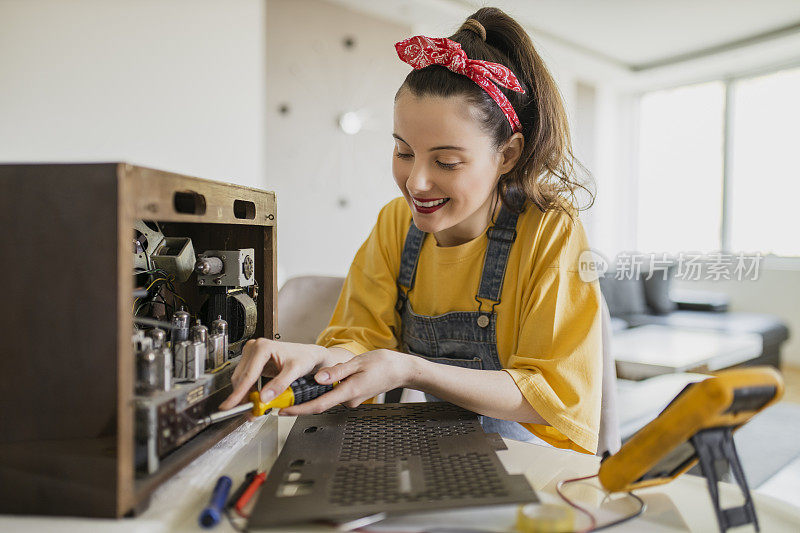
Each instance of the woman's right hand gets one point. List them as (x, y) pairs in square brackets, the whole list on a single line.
[(284, 362)]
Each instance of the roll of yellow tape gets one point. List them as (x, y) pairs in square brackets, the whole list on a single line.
[(544, 518)]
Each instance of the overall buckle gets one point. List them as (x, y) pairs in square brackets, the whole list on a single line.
[(502, 234)]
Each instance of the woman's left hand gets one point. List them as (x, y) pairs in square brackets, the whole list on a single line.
[(361, 378)]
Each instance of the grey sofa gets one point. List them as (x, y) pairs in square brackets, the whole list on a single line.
[(640, 301)]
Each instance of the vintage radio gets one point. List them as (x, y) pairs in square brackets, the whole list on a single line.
[(128, 296)]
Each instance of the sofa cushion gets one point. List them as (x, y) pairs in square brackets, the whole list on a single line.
[(699, 300), (772, 329), (618, 324), (623, 296), (657, 292)]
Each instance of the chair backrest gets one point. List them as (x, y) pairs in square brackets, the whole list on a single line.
[(305, 306), (306, 303), (608, 439)]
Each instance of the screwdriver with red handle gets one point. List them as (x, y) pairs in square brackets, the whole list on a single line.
[(249, 490), (239, 499)]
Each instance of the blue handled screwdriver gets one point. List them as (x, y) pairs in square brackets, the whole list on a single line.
[(212, 514)]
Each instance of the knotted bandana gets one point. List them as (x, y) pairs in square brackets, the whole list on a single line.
[(420, 51)]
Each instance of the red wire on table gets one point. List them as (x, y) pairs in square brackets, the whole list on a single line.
[(592, 519)]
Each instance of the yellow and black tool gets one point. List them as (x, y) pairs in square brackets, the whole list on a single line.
[(300, 391), (697, 426)]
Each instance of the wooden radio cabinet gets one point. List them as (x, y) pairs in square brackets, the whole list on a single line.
[(72, 415)]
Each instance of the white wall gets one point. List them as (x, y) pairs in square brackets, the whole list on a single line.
[(177, 85), (600, 122), (330, 185)]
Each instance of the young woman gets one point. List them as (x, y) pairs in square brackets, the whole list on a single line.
[(467, 288)]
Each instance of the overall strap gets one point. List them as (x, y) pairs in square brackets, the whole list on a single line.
[(408, 261), (501, 237)]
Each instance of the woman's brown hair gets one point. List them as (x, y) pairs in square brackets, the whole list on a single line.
[(545, 173)]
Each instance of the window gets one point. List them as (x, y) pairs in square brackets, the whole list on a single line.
[(687, 167), (765, 173), (680, 169)]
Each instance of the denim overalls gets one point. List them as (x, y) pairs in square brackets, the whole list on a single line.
[(461, 338)]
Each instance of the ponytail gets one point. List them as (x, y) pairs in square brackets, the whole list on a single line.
[(545, 173)]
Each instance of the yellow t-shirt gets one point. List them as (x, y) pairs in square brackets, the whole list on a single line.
[(548, 320)]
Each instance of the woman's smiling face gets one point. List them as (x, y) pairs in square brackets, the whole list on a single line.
[(442, 153)]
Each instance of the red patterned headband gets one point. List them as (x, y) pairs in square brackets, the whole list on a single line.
[(420, 51)]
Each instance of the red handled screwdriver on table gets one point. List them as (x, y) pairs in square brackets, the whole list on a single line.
[(300, 391)]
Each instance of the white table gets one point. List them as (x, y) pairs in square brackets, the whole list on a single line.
[(679, 506), (652, 350)]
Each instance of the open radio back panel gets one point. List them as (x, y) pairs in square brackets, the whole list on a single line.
[(130, 295)]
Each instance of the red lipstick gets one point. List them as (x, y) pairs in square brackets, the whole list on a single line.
[(428, 210)]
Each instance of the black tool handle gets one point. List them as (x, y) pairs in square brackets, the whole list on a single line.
[(248, 479), (306, 389)]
